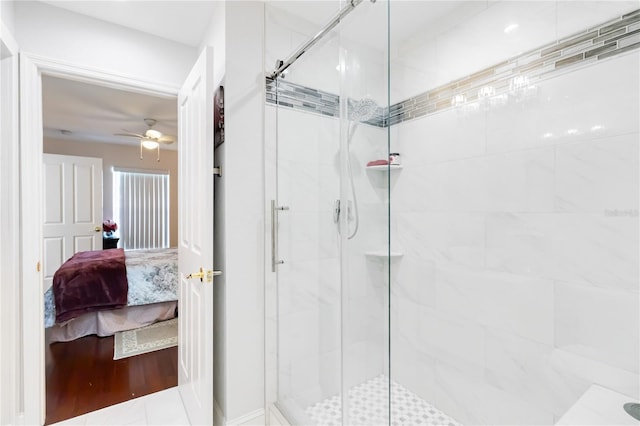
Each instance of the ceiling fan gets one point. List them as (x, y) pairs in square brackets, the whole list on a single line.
[(151, 139)]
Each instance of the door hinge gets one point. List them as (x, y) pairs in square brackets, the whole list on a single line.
[(217, 171)]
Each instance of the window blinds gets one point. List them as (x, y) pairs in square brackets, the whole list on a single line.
[(141, 207)]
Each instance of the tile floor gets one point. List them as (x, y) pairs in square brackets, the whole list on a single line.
[(368, 405), (160, 408)]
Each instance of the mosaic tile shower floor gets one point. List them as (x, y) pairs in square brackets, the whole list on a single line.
[(368, 405)]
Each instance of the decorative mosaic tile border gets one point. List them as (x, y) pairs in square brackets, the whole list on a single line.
[(515, 77), (493, 85), (297, 96)]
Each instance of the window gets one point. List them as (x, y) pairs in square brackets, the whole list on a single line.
[(141, 208)]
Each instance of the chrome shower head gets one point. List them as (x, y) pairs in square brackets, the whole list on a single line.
[(361, 110)]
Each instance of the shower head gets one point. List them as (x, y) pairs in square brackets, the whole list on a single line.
[(361, 110)]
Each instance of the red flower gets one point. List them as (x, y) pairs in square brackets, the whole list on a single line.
[(109, 226)]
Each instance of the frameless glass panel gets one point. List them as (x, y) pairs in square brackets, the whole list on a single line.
[(364, 208), (516, 299), (302, 105)]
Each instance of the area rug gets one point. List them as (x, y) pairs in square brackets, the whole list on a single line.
[(154, 337)]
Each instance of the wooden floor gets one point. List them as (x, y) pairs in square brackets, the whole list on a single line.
[(82, 376)]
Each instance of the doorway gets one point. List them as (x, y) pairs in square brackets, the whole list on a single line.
[(33, 71)]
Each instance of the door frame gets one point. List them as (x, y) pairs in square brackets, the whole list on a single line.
[(10, 354), (32, 68)]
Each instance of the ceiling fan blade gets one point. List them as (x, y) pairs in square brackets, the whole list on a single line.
[(167, 139), (129, 134)]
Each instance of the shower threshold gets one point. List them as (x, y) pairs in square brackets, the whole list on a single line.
[(369, 405)]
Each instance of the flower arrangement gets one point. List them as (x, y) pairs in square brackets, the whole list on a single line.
[(109, 227)]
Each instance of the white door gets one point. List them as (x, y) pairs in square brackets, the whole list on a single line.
[(73, 209), (195, 234)]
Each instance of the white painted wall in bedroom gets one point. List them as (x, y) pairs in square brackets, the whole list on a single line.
[(56, 33)]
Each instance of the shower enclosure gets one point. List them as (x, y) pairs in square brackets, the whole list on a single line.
[(490, 274)]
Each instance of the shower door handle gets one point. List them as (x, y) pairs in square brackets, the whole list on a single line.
[(274, 234)]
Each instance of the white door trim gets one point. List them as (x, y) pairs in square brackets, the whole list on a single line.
[(10, 401), (32, 67)]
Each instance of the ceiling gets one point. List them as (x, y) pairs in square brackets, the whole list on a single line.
[(94, 113)]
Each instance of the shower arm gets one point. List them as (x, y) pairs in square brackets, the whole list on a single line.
[(281, 66)]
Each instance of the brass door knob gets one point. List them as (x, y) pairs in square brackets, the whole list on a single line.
[(208, 274)]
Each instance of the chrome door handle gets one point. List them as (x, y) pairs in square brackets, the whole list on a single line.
[(274, 234)]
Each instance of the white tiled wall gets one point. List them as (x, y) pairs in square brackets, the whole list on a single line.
[(471, 37), (519, 285)]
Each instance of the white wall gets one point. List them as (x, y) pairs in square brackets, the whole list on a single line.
[(244, 110), (56, 33), (7, 14), (236, 34), (215, 37), (124, 156)]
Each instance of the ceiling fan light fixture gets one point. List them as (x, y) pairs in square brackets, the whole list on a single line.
[(149, 144), (153, 134)]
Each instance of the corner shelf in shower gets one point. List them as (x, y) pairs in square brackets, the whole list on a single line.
[(383, 254), (385, 167)]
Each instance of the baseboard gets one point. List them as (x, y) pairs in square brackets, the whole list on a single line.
[(255, 418), (276, 418), (218, 416)]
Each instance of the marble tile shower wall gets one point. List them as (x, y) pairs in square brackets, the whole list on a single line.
[(517, 76), (519, 285)]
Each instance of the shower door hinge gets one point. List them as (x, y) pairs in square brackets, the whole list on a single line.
[(217, 171)]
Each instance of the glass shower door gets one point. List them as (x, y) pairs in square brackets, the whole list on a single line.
[(326, 117), (305, 113)]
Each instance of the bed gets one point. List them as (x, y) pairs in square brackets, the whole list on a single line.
[(150, 296)]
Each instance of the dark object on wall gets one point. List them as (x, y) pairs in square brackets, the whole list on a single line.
[(218, 117)]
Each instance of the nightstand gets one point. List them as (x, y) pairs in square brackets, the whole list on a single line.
[(109, 243)]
